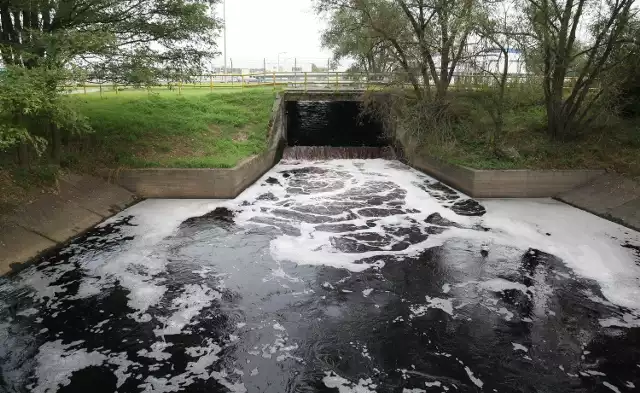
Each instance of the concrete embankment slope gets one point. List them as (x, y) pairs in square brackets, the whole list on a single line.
[(81, 202), (611, 196)]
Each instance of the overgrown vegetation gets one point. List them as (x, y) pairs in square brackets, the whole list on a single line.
[(612, 142), (467, 103)]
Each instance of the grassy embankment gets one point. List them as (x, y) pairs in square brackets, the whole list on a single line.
[(612, 142), (140, 129), (197, 129)]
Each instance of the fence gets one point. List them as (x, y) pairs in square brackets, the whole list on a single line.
[(304, 81)]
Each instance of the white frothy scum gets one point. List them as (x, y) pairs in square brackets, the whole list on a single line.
[(588, 245)]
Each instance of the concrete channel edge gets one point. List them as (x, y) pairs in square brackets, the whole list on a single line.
[(219, 183), (496, 183)]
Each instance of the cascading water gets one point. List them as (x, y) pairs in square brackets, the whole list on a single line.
[(333, 153)]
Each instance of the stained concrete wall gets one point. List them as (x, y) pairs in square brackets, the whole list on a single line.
[(206, 182), (492, 183)]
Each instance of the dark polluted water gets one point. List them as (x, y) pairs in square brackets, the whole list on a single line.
[(332, 276)]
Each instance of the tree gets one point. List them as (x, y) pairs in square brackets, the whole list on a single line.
[(427, 38), (112, 39), (348, 36), (494, 34), (578, 35)]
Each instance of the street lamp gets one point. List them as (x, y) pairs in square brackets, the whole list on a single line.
[(224, 26), (281, 53)]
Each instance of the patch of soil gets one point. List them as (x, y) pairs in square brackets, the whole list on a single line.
[(240, 136)]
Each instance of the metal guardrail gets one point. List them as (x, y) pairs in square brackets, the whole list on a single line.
[(303, 81)]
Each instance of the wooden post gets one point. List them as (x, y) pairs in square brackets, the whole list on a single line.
[(305, 82), (337, 82), (211, 82), (274, 81)]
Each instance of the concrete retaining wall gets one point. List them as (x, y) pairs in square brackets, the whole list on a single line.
[(494, 183), (206, 182)]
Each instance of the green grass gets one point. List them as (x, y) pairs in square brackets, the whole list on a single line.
[(196, 129), (611, 143)]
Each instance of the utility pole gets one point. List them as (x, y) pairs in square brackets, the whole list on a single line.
[(281, 53), (264, 66), (224, 21)]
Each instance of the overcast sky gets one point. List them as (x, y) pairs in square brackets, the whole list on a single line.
[(258, 29)]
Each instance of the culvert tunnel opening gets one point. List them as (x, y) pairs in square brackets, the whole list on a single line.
[(333, 130)]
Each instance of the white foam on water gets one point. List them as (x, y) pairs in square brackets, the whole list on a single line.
[(627, 320), (589, 245), (432, 302), (476, 381), (612, 387), (315, 247), (414, 390), (500, 284), (157, 351), (187, 306), (27, 312), (333, 380), (367, 292), (56, 363), (520, 347)]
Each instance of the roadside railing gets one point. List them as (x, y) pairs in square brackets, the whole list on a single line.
[(304, 81)]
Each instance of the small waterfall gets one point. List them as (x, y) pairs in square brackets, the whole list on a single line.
[(330, 152)]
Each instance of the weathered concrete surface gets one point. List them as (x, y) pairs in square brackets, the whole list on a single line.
[(18, 244), (495, 183), (218, 183), (81, 202), (351, 276), (611, 196)]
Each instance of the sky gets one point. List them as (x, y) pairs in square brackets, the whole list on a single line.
[(258, 29)]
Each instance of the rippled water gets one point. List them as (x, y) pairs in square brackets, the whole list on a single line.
[(344, 275)]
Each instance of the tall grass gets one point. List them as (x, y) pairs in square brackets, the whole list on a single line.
[(196, 130)]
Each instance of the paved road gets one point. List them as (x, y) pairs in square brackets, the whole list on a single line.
[(341, 276)]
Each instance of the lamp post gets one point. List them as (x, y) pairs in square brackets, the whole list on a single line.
[(281, 53), (224, 21)]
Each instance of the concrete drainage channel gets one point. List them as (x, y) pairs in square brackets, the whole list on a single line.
[(321, 125), (329, 275), (330, 129)]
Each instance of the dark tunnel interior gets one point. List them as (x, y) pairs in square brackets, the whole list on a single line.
[(332, 123)]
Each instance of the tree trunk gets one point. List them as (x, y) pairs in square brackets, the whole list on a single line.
[(441, 91)]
